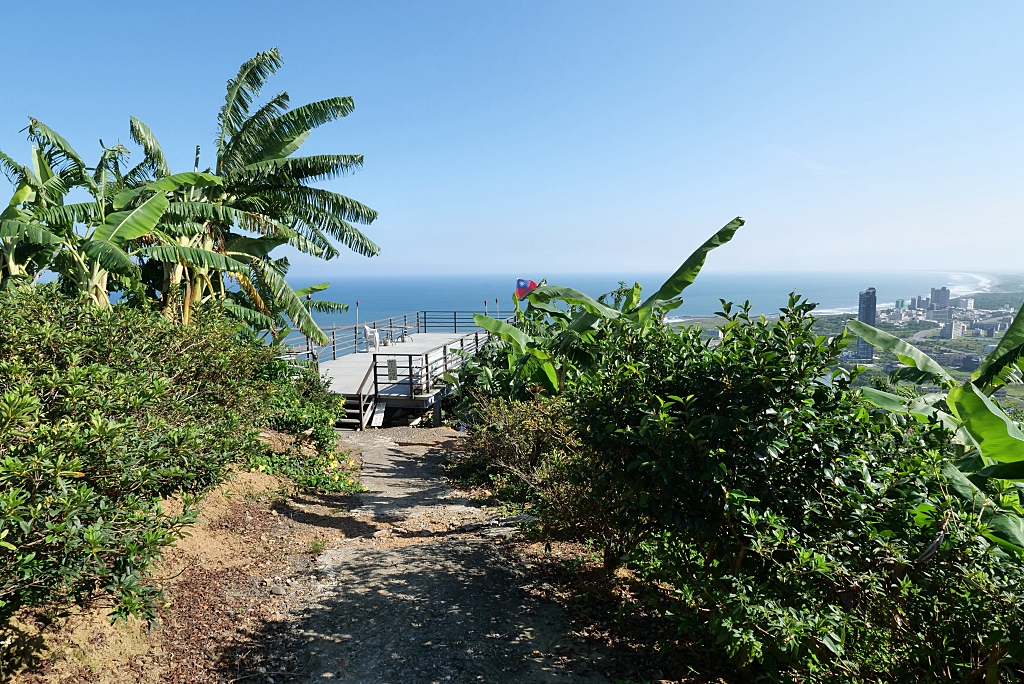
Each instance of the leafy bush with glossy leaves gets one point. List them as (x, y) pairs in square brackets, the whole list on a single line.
[(302, 404), (803, 532), (780, 516), (104, 413)]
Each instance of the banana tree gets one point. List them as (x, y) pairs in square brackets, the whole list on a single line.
[(97, 238), (265, 201), (991, 471), (26, 247), (547, 340)]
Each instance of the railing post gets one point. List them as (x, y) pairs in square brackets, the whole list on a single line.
[(476, 343), (412, 392), (455, 321), (376, 385), (334, 344)]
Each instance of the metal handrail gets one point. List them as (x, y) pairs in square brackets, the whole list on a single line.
[(421, 376), (362, 399), (348, 339)]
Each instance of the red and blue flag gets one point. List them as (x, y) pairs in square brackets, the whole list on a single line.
[(524, 287)]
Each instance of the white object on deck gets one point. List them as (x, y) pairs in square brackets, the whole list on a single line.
[(371, 334), (378, 415)]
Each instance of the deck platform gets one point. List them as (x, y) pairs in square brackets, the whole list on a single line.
[(347, 372), (401, 377)]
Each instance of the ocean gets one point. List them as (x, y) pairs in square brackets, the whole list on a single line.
[(383, 296)]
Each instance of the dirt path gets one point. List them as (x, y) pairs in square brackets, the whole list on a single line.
[(430, 598), (408, 582)]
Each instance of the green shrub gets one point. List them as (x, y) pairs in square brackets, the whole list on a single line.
[(302, 404), (532, 455), (801, 531), (104, 413)]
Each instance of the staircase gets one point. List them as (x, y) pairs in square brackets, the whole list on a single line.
[(359, 411)]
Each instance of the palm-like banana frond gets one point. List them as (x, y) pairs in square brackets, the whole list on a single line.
[(288, 300), (194, 258), (277, 138), (293, 170), (255, 319), (59, 152), (242, 90), (314, 243), (254, 247), (248, 136), (324, 306), (219, 213), (348, 235), (68, 214), (27, 232), (111, 257), (14, 171), (144, 137), (325, 202)]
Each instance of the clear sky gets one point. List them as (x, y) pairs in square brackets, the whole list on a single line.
[(536, 137)]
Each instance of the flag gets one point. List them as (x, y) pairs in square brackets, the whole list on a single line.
[(524, 287)]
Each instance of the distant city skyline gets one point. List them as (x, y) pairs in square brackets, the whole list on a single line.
[(591, 137)]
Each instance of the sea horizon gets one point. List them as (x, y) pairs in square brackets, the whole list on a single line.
[(834, 292)]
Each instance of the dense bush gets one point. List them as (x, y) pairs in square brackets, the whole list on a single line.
[(805, 534), (104, 413), (303, 405), (529, 453)]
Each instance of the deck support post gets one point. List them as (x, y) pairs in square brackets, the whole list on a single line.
[(437, 412)]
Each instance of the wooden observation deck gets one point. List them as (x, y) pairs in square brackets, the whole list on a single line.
[(405, 371)]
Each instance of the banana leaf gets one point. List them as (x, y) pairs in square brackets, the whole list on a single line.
[(907, 353), (687, 272), (996, 435)]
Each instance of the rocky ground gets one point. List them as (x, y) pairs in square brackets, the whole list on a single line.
[(408, 582)]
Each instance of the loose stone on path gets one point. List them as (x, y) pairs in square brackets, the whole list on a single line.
[(431, 600)]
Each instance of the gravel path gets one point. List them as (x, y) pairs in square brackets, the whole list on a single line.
[(428, 597)]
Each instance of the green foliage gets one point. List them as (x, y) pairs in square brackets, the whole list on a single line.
[(302, 405), (554, 338), (175, 241), (794, 526), (991, 444), (105, 413), (779, 516)]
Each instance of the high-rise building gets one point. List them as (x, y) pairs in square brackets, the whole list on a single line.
[(952, 330), (901, 303), (919, 302), (866, 314), (940, 298)]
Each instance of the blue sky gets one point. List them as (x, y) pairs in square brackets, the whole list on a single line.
[(538, 137)]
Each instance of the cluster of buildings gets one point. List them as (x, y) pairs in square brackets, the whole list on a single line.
[(956, 317)]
